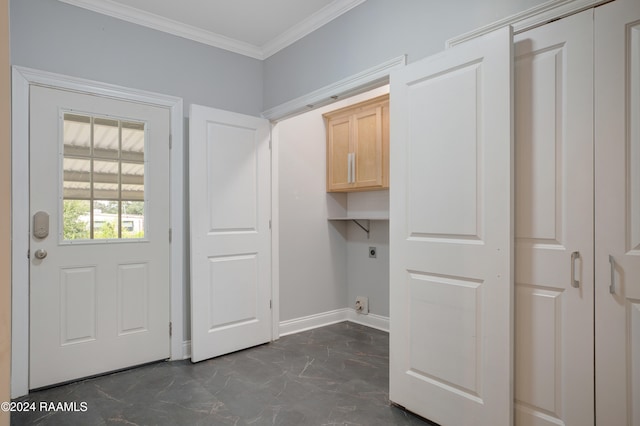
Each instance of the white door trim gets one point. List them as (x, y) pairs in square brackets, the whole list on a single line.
[(534, 17), (368, 79), (275, 231), (22, 79)]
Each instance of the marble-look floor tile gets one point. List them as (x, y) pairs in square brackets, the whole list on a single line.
[(334, 375)]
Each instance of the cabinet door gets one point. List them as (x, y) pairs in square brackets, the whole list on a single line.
[(338, 149), (617, 212), (554, 218), (367, 145)]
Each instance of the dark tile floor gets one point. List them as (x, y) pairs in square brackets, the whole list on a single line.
[(334, 375)]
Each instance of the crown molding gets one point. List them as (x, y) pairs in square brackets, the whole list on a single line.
[(309, 25), (160, 23)]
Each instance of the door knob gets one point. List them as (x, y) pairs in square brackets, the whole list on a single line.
[(40, 254)]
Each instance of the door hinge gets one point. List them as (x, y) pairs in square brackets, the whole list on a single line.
[(270, 304), (170, 235), (28, 254), (269, 143), (170, 141), (269, 223), (170, 329)]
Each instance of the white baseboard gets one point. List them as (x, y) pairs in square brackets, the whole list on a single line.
[(297, 325), (310, 322), (370, 320), (326, 318)]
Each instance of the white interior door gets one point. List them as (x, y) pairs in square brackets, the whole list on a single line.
[(230, 203), (554, 219), (617, 212), (451, 234), (99, 264)]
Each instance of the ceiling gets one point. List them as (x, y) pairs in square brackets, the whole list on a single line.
[(255, 28)]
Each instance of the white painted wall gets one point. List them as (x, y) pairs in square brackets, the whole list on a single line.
[(322, 263), (313, 255)]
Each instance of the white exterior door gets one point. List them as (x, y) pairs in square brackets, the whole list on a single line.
[(230, 203), (617, 213), (554, 220), (99, 243), (451, 234)]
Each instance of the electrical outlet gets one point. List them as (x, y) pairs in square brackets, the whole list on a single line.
[(373, 252), (362, 305)]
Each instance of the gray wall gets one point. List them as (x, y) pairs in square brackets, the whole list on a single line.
[(373, 32), (313, 251), (321, 262), (324, 264), (57, 37), (322, 267), (53, 36), (366, 276)]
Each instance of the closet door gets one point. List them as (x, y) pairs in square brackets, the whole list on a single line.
[(230, 215), (451, 234), (617, 212), (554, 223)]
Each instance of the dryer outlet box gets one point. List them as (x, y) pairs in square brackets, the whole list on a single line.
[(362, 305)]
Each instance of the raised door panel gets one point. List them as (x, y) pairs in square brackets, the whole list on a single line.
[(77, 305), (233, 284), (445, 168), (554, 198), (231, 158), (133, 298)]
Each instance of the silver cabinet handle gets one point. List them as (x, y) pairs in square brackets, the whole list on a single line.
[(353, 167), (612, 283), (349, 168), (574, 256)]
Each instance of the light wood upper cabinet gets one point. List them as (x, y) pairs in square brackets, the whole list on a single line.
[(358, 146)]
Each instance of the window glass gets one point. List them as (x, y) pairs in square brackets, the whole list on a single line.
[(103, 178)]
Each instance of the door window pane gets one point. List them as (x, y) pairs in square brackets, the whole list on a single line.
[(132, 219), (77, 135), (106, 138), (77, 178), (103, 178), (76, 219)]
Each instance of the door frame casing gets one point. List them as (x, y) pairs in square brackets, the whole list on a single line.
[(22, 80)]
